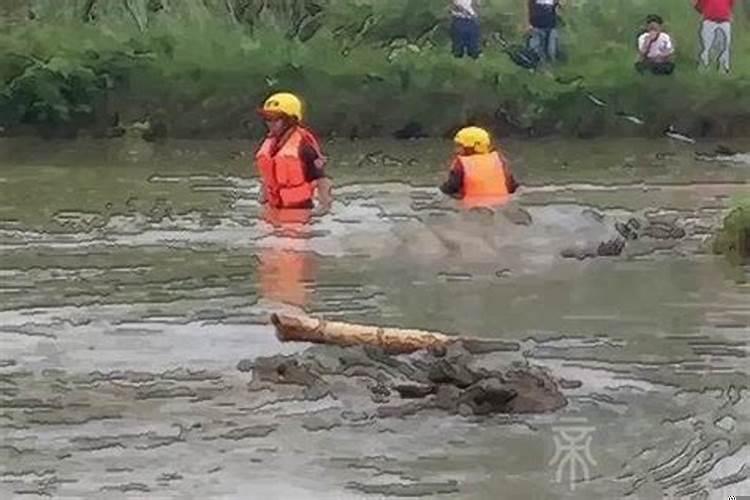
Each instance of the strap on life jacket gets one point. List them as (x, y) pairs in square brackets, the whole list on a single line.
[(264, 162)]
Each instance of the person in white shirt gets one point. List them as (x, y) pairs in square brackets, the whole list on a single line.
[(655, 49), (465, 32)]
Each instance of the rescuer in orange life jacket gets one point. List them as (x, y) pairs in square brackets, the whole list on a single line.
[(479, 172), (290, 160)]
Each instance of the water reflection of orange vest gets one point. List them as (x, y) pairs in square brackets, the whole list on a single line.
[(284, 274), (283, 172), (291, 220), (485, 180)]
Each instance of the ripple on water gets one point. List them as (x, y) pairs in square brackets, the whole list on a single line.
[(182, 293)]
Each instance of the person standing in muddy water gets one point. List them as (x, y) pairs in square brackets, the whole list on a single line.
[(480, 174), (291, 163)]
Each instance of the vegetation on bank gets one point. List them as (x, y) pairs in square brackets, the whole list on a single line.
[(366, 68), (733, 238)]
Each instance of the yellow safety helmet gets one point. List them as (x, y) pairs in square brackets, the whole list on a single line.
[(284, 104), (474, 138)]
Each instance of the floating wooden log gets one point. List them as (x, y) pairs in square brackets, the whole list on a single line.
[(391, 340)]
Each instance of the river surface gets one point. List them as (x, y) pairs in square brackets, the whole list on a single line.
[(134, 277)]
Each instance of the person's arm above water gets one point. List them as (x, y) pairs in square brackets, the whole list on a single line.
[(324, 189), (311, 159), (314, 172), (510, 180), (453, 186)]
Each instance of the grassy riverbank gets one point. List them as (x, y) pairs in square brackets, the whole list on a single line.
[(365, 68), (733, 238)]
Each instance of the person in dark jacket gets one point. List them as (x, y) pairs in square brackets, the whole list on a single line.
[(544, 37)]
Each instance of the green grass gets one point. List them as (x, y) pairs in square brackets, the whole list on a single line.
[(733, 238), (365, 67)]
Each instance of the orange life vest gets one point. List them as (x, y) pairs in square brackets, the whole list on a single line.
[(484, 175), (283, 172)]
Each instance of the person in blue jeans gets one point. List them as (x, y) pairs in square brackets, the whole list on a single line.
[(544, 38), (465, 32)]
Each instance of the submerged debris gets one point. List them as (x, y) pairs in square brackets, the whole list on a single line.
[(629, 231), (653, 227), (518, 216), (418, 489), (596, 100), (610, 248), (673, 134), (394, 386), (663, 231)]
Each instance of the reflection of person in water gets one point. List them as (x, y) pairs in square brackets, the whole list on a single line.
[(290, 162), (284, 275), (284, 272)]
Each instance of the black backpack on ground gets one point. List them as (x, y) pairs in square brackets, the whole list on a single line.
[(521, 55)]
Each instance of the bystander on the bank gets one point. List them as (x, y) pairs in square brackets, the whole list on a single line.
[(655, 48), (716, 25), (544, 37), (465, 32)]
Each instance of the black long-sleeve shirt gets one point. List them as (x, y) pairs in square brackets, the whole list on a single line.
[(308, 154)]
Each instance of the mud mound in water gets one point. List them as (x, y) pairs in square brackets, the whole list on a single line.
[(381, 385), (637, 236)]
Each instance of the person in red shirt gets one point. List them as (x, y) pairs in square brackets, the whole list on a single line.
[(717, 19)]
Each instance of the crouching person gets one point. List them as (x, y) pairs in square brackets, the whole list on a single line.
[(655, 49)]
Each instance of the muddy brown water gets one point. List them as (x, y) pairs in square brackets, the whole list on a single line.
[(134, 277)]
